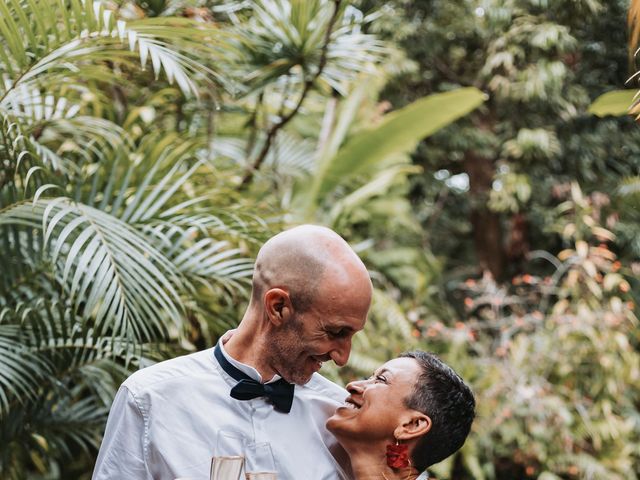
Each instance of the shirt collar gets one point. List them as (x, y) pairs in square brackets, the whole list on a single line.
[(244, 368)]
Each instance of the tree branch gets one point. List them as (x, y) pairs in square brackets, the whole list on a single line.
[(253, 123), (308, 84)]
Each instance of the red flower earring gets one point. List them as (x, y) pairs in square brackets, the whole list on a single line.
[(398, 455)]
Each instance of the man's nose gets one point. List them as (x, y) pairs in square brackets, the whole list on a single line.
[(340, 353)]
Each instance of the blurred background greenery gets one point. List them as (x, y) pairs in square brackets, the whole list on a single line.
[(464, 148)]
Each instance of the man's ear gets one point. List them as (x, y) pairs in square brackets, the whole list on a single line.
[(277, 306), (414, 424)]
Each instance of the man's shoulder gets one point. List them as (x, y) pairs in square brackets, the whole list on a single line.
[(326, 388), (172, 370)]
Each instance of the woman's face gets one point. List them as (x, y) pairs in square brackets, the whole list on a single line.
[(375, 406)]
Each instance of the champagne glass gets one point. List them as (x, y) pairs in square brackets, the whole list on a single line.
[(260, 464), (229, 456)]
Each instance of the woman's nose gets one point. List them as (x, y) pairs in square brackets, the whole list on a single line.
[(356, 387)]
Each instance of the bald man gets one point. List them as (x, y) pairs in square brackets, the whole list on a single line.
[(310, 295)]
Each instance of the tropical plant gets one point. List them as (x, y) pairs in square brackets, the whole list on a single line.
[(124, 215), (553, 359), (489, 201), (623, 102), (111, 236), (343, 159), (359, 188), (147, 149), (90, 276), (538, 61)]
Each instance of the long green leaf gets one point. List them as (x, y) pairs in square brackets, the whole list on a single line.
[(398, 133), (616, 103)]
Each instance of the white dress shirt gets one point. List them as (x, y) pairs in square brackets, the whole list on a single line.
[(164, 421)]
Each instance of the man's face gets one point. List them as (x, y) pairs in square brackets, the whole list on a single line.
[(320, 334)]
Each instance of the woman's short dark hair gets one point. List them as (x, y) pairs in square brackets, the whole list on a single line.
[(441, 394)]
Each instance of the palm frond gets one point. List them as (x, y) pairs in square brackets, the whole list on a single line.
[(24, 171), (289, 156), (21, 371), (285, 39), (238, 225), (186, 238), (148, 202), (111, 272), (70, 143), (210, 260), (54, 427), (92, 35)]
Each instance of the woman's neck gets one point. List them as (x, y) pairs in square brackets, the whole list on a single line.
[(370, 464)]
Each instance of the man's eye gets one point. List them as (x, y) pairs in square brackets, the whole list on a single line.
[(336, 333), (380, 378)]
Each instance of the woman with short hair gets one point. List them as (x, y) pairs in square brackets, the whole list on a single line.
[(413, 412)]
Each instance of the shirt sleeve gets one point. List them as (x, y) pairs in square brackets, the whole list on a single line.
[(123, 450)]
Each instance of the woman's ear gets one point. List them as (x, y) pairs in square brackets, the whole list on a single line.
[(415, 424), (277, 306)]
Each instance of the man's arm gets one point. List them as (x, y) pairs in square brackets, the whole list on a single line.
[(122, 453)]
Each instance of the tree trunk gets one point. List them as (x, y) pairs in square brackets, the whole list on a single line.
[(487, 231)]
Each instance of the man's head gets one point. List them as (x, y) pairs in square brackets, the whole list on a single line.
[(442, 395), (313, 293)]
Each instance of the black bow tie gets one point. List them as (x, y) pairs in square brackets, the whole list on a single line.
[(279, 393)]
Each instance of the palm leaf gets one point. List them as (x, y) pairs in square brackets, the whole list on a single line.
[(378, 186), (110, 271), (214, 260), (92, 35), (237, 225), (297, 29), (289, 156), (21, 372)]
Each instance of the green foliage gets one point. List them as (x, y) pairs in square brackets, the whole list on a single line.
[(147, 150), (283, 41), (398, 133), (112, 239), (532, 181), (553, 360), (541, 63), (617, 102), (126, 236)]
